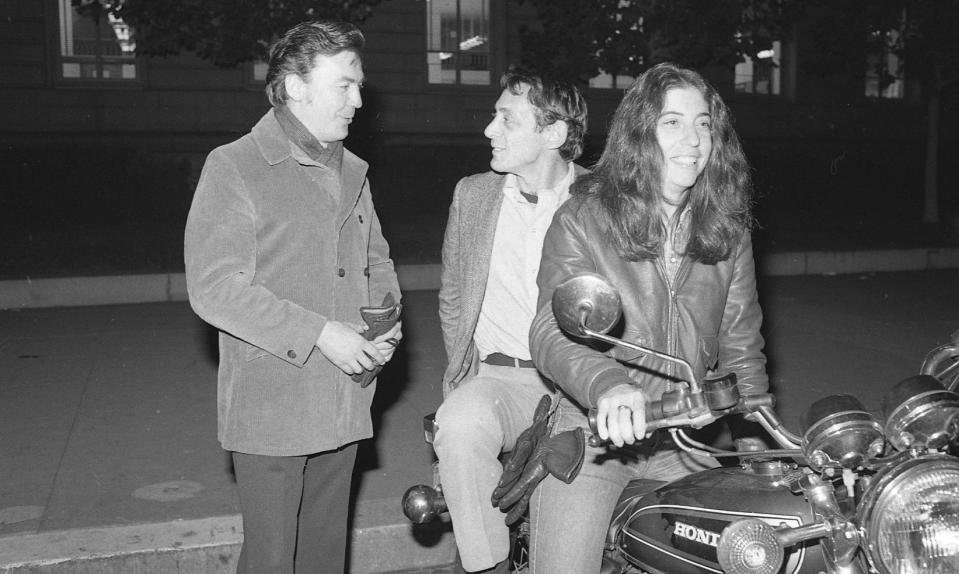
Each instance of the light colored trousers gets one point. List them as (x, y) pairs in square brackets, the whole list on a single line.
[(481, 418)]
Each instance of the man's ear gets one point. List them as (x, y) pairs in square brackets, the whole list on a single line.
[(556, 134), (295, 87)]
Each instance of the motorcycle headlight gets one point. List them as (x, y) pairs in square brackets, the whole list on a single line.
[(910, 516)]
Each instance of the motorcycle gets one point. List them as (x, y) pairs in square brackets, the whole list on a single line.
[(849, 494)]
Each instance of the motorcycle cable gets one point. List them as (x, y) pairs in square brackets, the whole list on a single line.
[(696, 448)]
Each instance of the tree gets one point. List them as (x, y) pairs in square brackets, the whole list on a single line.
[(580, 38), (919, 33), (225, 32)]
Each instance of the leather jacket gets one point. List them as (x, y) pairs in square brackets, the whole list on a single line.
[(709, 316)]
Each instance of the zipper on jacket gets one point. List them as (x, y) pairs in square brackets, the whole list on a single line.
[(673, 287), (664, 275)]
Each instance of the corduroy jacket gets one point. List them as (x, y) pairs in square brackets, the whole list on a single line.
[(710, 316), (275, 245)]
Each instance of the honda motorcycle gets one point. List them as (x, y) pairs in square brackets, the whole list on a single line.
[(849, 494)]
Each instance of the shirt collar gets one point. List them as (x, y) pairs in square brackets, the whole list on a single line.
[(511, 186)]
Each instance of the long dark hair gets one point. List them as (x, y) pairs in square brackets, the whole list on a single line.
[(628, 176)]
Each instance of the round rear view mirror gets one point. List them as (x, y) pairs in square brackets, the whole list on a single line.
[(586, 300)]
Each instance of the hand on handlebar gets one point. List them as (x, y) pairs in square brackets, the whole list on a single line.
[(624, 414), (621, 415)]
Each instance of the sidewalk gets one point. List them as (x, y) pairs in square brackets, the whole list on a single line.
[(107, 419), (110, 455), (152, 288)]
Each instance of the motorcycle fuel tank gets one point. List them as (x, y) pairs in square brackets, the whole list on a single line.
[(675, 530)]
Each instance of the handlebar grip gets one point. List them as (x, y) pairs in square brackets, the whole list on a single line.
[(654, 412)]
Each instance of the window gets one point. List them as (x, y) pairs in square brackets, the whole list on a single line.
[(94, 44), (760, 76), (258, 70), (458, 49), (606, 80), (883, 76)]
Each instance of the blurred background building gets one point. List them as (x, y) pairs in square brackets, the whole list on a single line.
[(94, 134)]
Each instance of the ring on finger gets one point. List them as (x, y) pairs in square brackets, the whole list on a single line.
[(625, 408), (392, 341)]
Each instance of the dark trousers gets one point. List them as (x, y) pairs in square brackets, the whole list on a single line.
[(295, 511)]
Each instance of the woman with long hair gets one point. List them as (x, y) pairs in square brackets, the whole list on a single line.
[(665, 217)]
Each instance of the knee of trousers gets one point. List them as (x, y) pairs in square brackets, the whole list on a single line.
[(467, 423)]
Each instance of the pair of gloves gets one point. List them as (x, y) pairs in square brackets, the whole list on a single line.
[(379, 320), (535, 455)]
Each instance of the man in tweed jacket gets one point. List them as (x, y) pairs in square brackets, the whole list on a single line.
[(491, 255), (282, 248)]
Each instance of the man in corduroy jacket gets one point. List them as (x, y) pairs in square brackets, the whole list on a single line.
[(282, 248)]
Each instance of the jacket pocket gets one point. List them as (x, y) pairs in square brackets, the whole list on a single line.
[(709, 347)]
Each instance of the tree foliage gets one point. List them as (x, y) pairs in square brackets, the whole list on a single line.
[(920, 33), (579, 38), (225, 32)]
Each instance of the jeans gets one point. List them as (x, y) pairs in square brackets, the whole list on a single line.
[(568, 522), (480, 419)]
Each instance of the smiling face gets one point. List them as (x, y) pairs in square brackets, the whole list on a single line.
[(684, 134), (519, 146), (326, 100)]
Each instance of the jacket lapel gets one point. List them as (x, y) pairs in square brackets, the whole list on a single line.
[(484, 212), (352, 179)]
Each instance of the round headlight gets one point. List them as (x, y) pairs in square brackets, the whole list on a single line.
[(910, 516)]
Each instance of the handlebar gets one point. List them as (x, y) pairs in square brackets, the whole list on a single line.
[(677, 407), (718, 396)]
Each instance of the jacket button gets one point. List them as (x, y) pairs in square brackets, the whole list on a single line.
[(291, 354), (341, 272), (366, 271)]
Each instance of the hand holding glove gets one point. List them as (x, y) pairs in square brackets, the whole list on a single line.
[(379, 320)]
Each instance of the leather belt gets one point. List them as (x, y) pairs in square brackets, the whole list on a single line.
[(501, 360)]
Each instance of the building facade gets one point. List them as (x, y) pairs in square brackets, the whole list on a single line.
[(433, 68)]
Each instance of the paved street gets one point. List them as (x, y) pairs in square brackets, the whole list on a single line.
[(108, 426)]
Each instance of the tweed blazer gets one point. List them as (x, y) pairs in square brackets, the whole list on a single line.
[(467, 249), (275, 246)]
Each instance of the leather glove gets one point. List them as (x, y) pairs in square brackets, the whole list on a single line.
[(523, 449), (561, 455), (379, 320)]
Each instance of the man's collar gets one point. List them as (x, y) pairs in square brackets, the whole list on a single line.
[(512, 188)]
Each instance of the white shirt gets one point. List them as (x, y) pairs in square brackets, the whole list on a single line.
[(509, 304)]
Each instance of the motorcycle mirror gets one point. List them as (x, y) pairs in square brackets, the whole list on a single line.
[(586, 302)]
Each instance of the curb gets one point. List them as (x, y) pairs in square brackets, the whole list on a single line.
[(167, 287), (382, 541)]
